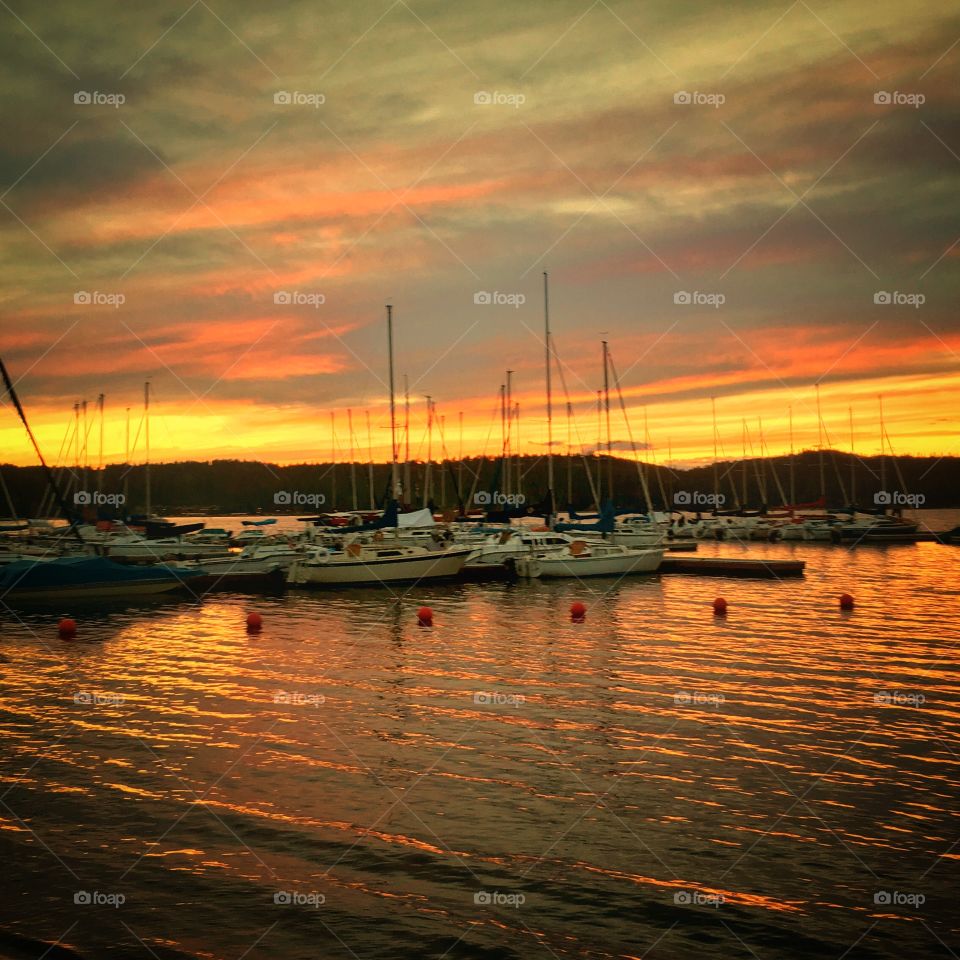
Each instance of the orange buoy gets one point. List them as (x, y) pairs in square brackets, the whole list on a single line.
[(425, 617), (846, 601), (67, 628), (578, 611), (719, 607), (254, 622)]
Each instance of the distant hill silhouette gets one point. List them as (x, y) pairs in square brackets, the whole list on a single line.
[(247, 486)]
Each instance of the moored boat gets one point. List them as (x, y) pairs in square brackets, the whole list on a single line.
[(582, 559), (241, 574), (87, 578), (371, 565)]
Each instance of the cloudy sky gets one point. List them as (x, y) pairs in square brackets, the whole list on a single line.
[(222, 197)]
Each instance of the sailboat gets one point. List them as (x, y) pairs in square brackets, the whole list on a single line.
[(375, 564), (380, 562), (584, 558)]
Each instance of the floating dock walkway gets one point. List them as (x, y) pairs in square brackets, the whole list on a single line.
[(733, 567)]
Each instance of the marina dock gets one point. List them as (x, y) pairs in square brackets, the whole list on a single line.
[(733, 567)]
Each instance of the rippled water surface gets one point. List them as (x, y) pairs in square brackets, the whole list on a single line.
[(652, 782)]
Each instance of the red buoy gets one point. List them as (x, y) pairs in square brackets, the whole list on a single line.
[(846, 601), (425, 617), (578, 611), (254, 622), (67, 628), (719, 607)]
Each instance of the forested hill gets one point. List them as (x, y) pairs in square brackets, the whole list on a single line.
[(242, 486)]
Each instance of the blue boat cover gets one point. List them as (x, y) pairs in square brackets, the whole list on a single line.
[(77, 571)]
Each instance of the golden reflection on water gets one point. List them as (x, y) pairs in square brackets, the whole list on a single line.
[(785, 760)]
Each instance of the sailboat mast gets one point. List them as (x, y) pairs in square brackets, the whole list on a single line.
[(428, 479), (146, 419), (126, 460), (546, 326), (406, 441), (716, 478), (460, 466), (743, 469), (353, 465), (853, 457), (443, 461), (86, 434), (793, 483), (48, 473), (606, 403), (883, 447), (503, 436), (373, 498), (517, 474), (823, 481), (393, 407), (569, 456), (333, 462), (507, 473), (598, 453), (100, 458)]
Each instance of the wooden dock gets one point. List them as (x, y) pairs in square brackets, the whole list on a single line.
[(733, 567)]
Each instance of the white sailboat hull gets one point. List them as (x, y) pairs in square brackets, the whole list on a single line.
[(157, 550), (607, 565), (380, 570)]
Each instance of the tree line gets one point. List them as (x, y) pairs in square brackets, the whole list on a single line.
[(253, 487)]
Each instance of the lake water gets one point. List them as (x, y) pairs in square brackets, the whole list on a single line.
[(651, 782)]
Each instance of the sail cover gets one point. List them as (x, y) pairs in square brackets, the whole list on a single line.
[(418, 518)]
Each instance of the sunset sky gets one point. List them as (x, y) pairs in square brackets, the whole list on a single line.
[(200, 201)]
